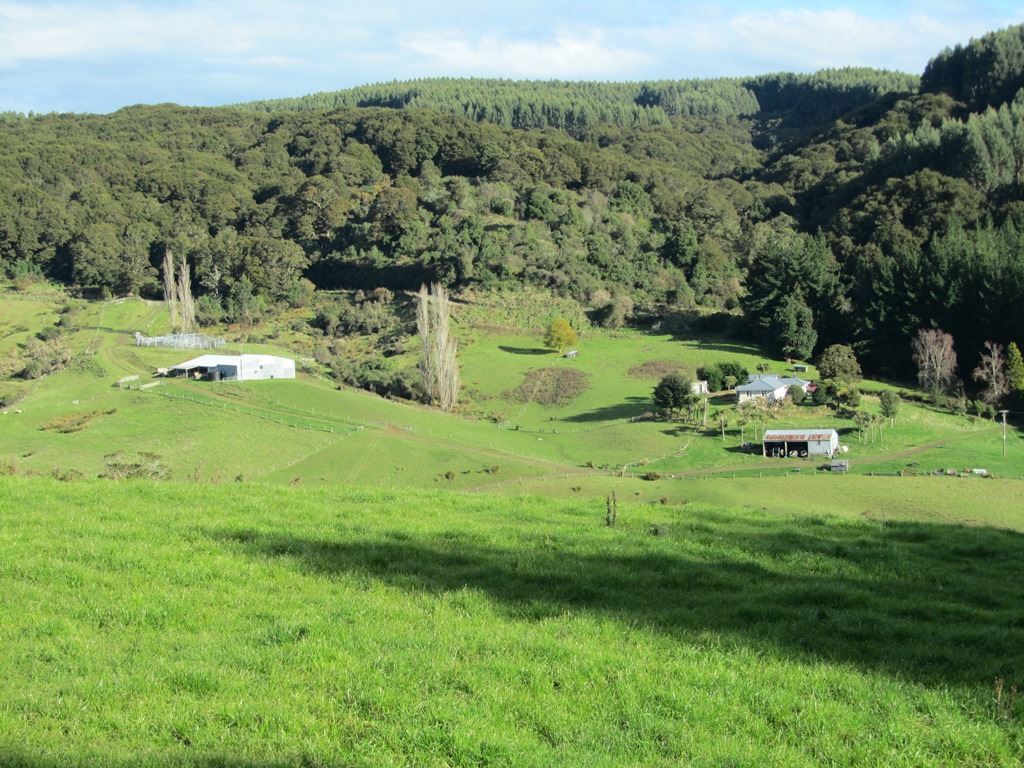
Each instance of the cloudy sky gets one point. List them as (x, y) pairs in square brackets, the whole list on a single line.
[(87, 55)]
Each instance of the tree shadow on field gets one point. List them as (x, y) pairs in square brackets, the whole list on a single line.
[(756, 451), (729, 347), (121, 331), (683, 430), (930, 603), (633, 406), (525, 350)]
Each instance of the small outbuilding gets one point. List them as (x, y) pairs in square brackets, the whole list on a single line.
[(794, 443), (236, 367), (699, 387)]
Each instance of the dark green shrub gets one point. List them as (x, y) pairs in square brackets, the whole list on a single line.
[(823, 395), (839, 361), (208, 310), (734, 369), (713, 376)]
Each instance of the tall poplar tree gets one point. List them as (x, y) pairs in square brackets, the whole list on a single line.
[(439, 364), (170, 288)]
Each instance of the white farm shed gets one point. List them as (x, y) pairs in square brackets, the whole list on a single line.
[(699, 387), (792, 443), (237, 367)]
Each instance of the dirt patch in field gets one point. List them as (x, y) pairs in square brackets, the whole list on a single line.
[(549, 386), (74, 422), (657, 369)]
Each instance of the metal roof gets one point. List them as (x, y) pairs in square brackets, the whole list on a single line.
[(799, 435), (212, 361), (207, 361), (769, 383)]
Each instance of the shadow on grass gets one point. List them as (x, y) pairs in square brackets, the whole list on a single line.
[(633, 406), (121, 331), (934, 604), (755, 451), (729, 347), (525, 350), (685, 430)]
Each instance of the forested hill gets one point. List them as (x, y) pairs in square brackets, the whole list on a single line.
[(581, 107), (986, 73), (847, 206)]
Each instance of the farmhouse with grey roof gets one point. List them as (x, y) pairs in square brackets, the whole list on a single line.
[(768, 386)]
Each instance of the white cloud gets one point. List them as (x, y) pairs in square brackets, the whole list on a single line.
[(844, 37), (564, 55), (802, 39), (273, 31), (89, 54), (61, 32)]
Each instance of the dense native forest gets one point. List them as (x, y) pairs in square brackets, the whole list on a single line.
[(852, 205)]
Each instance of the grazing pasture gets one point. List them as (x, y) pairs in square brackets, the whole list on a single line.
[(530, 421), (189, 624), (443, 589)]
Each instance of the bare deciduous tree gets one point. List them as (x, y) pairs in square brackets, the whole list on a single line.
[(439, 364), (170, 289), (935, 359), (992, 371), (186, 305)]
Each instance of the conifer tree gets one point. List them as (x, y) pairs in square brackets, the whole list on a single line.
[(890, 404), (1014, 369)]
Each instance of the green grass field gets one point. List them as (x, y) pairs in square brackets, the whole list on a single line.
[(307, 431), (443, 590), (183, 624)]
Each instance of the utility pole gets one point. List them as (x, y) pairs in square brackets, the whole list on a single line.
[(1003, 413)]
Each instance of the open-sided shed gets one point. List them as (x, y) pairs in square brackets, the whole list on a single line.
[(794, 443), (237, 367)]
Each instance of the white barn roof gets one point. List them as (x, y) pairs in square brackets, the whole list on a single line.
[(240, 367), (212, 361), (207, 361)]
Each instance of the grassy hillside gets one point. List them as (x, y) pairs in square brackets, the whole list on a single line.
[(740, 612), (308, 431), (166, 624)]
